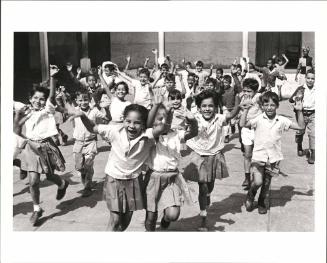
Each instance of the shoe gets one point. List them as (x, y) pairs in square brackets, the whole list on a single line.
[(262, 209), (311, 159), (87, 192), (164, 224), (203, 227), (300, 151), (61, 192), (36, 216), (249, 205), (226, 140)]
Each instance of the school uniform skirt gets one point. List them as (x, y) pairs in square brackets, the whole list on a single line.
[(162, 191), (42, 156), (123, 195), (206, 168)]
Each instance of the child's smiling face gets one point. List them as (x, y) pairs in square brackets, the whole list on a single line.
[(248, 92), (91, 81), (310, 79), (83, 101), (270, 108), (143, 79), (170, 85), (133, 124), (207, 109), (38, 100), (177, 103), (120, 92)]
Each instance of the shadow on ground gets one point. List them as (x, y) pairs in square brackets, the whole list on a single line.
[(216, 212), (76, 203)]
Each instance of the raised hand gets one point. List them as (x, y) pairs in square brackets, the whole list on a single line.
[(211, 67), (298, 105), (69, 66), (128, 58), (147, 59), (79, 70), (157, 96), (100, 71), (53, 70)]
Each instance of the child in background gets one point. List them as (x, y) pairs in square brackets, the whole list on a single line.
[(41, 155), (250, 90), (268, 128), (162, 190), (175, 99), (118, 103), (280, 66), (305, 64), (220, 79), (131, 144), (202, 75), (306, 94), (230, 100), (85, 146), (142, 88), (207, 158), (169, 85)]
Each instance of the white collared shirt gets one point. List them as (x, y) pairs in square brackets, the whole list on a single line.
[(210, 138), (126, 157), (41, 124), (117, 108), (80, 132), (309, 98), (166, 154), (267, 137)]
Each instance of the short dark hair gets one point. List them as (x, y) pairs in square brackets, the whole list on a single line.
[(211, 80), (220, 70), (38, 88), (175, 94), (144, 71), (111, 67), (90, 75), (137, 108), (170, 77), (188, 63), (266, 96), (82, 91), (191, 74), (310, 71), (124, 84), (164, 65), (251, 83), (205, 94), (228, 78), (199, 63), (239, 66)]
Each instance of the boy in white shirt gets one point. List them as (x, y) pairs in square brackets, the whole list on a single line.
[(268, 128)]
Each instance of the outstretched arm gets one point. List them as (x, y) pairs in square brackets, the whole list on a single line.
[(53, 81), (128, 61), (299, 125), (286, 60), (146, 61)]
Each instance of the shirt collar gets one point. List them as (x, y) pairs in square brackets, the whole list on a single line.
[(307, 88), (264, 115)]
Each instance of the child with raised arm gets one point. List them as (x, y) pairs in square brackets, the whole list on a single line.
[(202, 75), (141, 88), (85, 146), (162, 190), (305, 64), (41, 155), (207, 159), (130, 148), (250, 90), (267, 153), (306, 94), (280, 66)]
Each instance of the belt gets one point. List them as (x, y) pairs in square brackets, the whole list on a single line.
[(308, 112)]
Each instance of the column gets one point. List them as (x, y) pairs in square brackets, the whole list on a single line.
[(161, 38), (245, 46), (85, 61), (44, 54)]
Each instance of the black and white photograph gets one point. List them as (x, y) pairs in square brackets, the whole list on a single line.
[(203, 134)]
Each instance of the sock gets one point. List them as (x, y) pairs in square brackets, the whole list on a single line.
[(62, 184), (203, 213), (36, 207)]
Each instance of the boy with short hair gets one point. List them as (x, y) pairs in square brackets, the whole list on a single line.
[(268, 128), (306, 94)]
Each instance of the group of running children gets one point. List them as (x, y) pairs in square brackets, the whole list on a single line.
[(150, 121)]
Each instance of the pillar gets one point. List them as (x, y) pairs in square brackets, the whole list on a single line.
[(245, 45), (44, 54), (161, 40)]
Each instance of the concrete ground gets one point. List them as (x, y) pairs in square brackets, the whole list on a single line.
[(291, 197)]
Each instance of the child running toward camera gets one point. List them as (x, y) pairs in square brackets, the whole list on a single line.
[(268, 129), (41, 155)]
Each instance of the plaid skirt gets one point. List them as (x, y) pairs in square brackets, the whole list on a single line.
[(205, 168), (123, 195), (162, 191), (42, 157)]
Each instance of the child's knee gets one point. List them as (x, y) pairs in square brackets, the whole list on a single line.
[(89, 160), (172, 213), (34, 179)]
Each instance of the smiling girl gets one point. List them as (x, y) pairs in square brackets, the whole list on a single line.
[(130, 148), (207, 158), (41, 155)]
